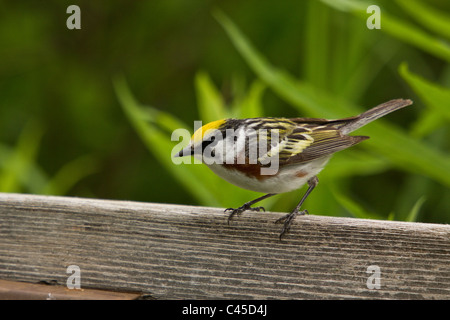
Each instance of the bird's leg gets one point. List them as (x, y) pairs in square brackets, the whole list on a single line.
[(289, 218), (247, 206)]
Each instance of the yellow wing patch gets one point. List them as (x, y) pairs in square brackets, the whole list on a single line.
[(295, 145), (290, 144), (200, 133)]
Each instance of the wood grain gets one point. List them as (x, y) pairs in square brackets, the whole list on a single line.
[(187, 252), (13, 290)]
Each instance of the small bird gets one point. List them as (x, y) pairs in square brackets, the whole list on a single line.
[(276, 155)]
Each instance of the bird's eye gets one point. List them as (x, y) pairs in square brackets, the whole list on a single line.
[(208, 142)]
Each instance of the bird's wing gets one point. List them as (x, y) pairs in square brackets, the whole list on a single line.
[(304, 139), (324, 142)]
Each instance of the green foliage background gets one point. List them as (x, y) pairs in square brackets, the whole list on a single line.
[(90, 112)]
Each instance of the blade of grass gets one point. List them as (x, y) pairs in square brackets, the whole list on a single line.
[(33, 182), (281, 82), (317, 44), (251, 106), (367, 68), (433, 19), (412, 216), (356, 162), (17, 167), (414, 188), (355, 209), (437, 98), (162, 119), (402, 30), (70, 174), (426, 123), (210, 103)]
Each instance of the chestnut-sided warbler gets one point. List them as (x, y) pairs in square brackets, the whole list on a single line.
[(276, 155)]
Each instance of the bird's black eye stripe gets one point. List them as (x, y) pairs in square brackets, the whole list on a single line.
[(208, 142)]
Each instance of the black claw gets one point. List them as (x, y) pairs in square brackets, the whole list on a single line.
[(288, 219), (233, 213), (282, 219), (239, 210), (259, 209)]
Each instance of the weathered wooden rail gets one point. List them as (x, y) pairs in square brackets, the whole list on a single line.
[(186, 252)]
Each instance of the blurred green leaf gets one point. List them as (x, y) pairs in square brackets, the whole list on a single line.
[(19, 171), (433, 19), (70, 174), (281, 82), (352, 206), (317, 50), (397, 28), (426, 123), (250, 106), (34, 181), (391, 216), (17, 166), (162, 119), (412, 216), (210, 102), (437, 98), (356, 162)]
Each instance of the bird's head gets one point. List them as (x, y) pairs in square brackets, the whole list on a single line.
[(209, 135)]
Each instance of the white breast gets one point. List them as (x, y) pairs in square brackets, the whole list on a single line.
[(288, 178)]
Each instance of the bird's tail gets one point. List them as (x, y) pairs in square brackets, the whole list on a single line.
[(375, 113)]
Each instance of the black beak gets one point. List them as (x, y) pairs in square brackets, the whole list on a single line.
[(188, 151)]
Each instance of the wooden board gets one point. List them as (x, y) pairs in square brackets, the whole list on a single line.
[(13, 290), (187, 252)]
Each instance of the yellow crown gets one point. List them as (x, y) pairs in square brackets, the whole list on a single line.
[(200, 133)]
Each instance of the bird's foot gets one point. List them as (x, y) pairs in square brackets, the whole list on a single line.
[(288, 219), (241, 209)]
